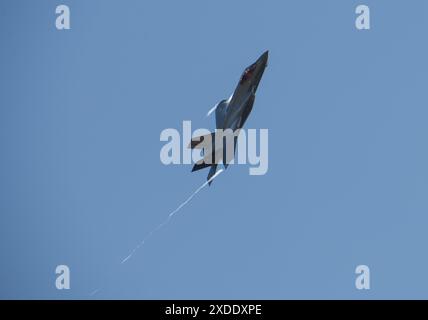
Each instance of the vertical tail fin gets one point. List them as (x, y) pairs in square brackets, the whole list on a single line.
[(212, 173)]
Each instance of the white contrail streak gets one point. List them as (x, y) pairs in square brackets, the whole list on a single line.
[(170, 216), (212, 110), (94, 292)]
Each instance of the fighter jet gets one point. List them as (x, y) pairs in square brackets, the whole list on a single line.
[(230, 114)]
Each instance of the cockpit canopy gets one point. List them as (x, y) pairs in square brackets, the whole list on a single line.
[(247, 73)]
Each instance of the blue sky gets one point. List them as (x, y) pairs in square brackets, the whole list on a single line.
[(81, 182)]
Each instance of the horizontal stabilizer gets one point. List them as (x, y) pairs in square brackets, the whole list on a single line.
[(211, 174), (200, 165), (196, 142)]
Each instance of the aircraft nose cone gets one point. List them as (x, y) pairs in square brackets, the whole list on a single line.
[(264, 57)]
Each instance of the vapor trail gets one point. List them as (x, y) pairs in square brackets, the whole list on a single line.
[(94, 292), (212, 110), (167, 220), (170, 216)]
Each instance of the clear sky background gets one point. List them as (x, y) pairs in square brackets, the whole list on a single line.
[(81, 182)]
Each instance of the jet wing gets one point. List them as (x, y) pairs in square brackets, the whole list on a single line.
[(220, 114)]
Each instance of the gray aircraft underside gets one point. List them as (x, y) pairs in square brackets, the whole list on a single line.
[(230, 114)]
